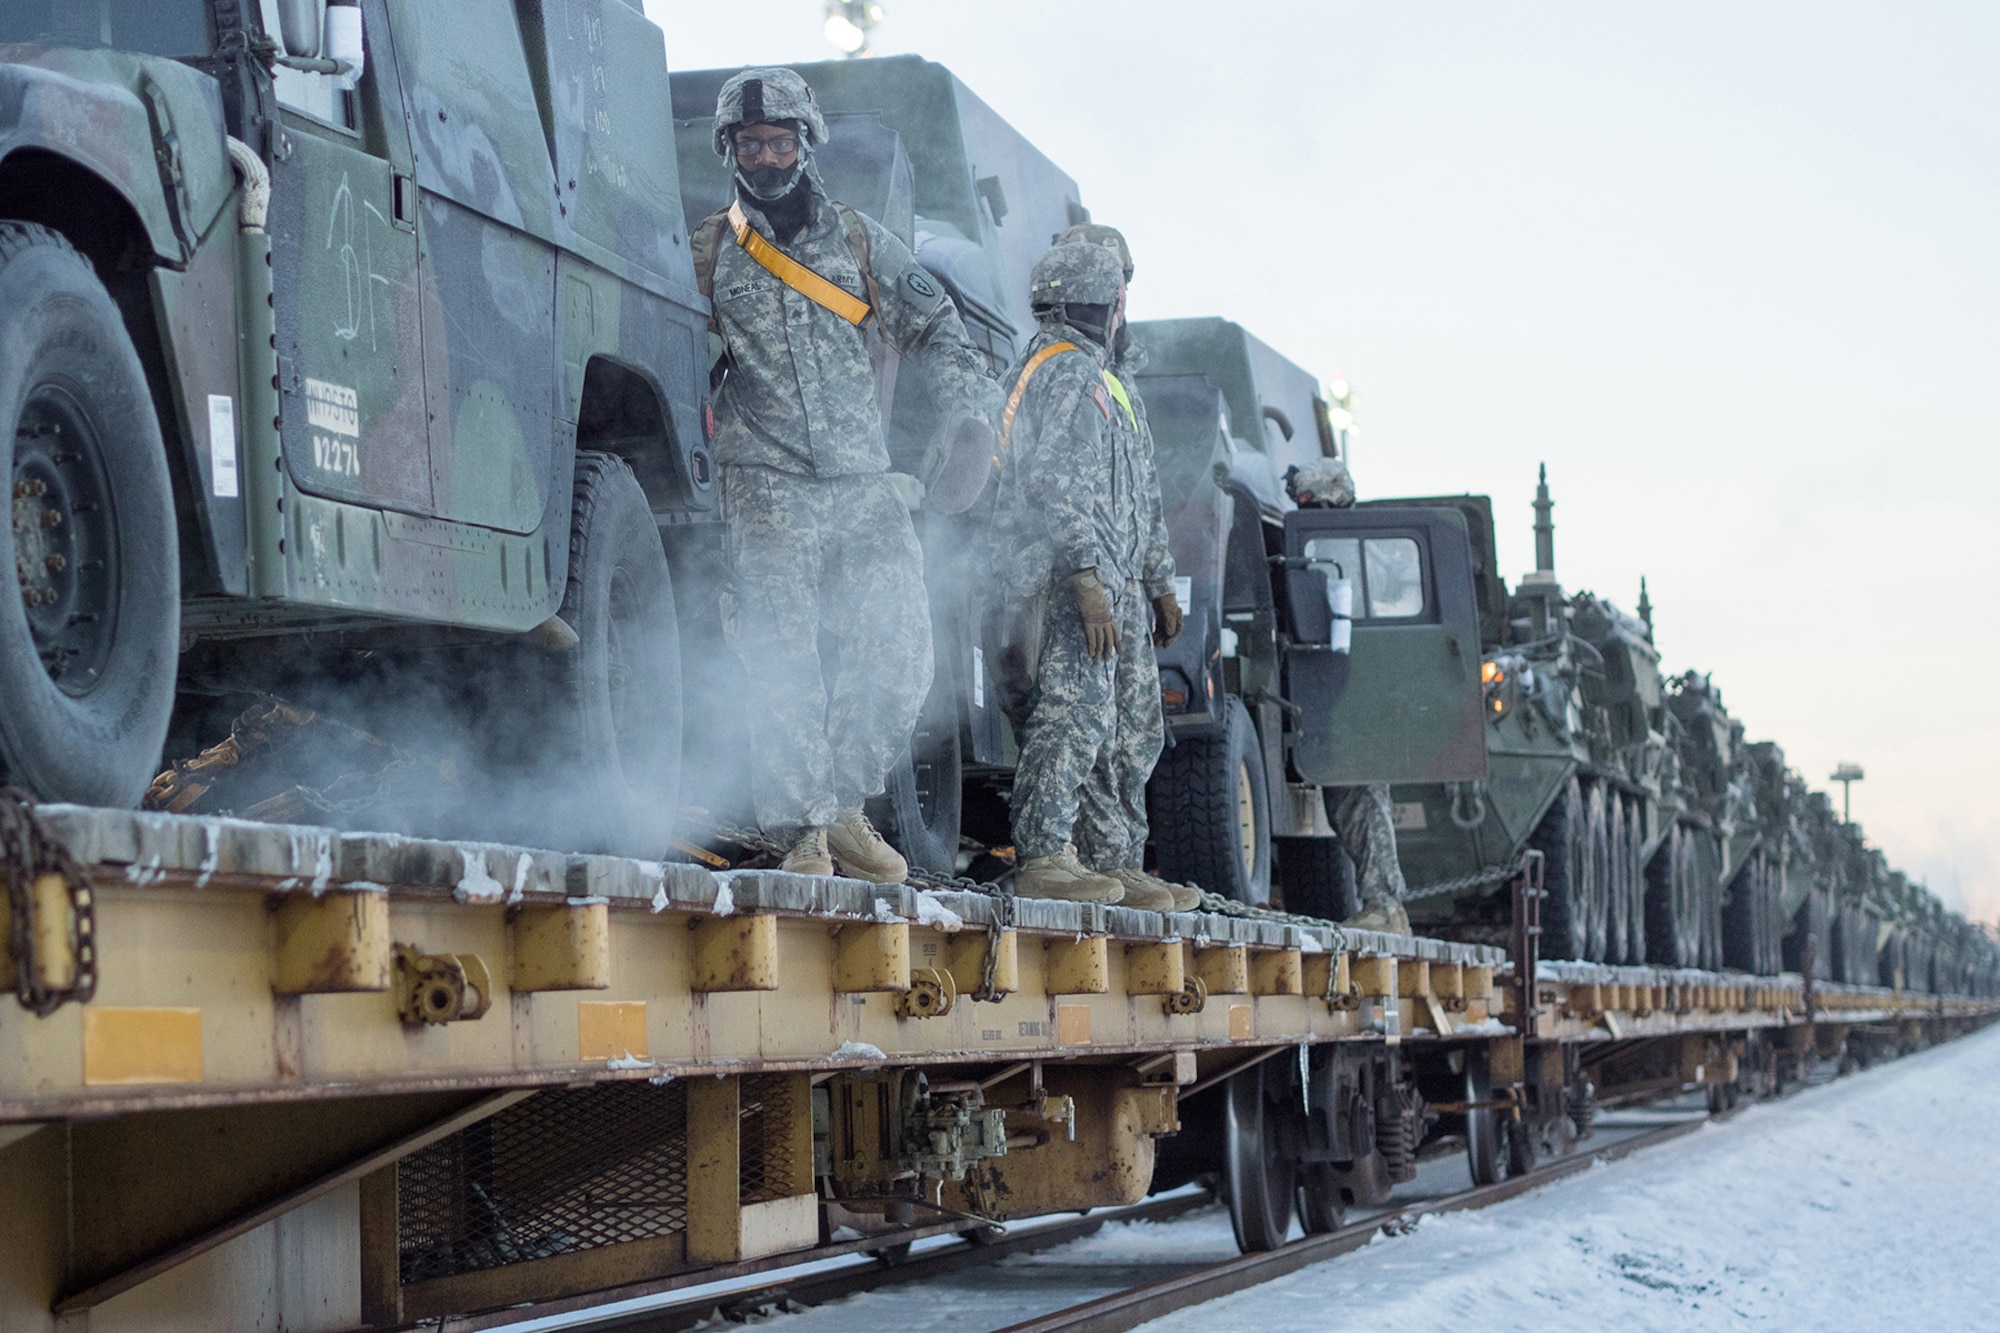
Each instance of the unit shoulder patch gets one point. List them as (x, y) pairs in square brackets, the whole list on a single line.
[(921, 285), (1102, 399)]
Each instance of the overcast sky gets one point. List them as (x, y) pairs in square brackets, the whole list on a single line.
[(1729, 269)]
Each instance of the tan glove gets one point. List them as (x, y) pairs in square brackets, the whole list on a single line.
[(1100, 631), (1166, 619)]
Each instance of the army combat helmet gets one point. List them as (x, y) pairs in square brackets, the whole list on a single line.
[(768, 96), (1077, 283), (1096, 233)]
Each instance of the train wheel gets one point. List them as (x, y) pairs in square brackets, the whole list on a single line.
[(1485, 1155), (1259, 1175), (1519, 1142), (1322, 1208)]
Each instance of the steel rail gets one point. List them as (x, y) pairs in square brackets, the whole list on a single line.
[(1136, 1305), (849, 1280)]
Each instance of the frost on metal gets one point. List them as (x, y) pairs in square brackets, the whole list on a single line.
[(931, 912), (476, 885)]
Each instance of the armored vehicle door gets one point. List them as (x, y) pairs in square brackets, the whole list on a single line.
[(487, 199), (345, 292), (1404, 703)]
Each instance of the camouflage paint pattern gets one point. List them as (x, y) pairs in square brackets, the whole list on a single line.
[(832, 555), (800, 394), (1365, 821), (1111, 827), (1063, 721), (1069, 495)]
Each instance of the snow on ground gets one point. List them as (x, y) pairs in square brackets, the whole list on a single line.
[(1867, 1204)]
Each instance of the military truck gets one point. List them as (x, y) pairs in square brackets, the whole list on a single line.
[(1324, 648), (348, 342)]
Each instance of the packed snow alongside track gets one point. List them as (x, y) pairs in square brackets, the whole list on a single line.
[(1866, 1204)]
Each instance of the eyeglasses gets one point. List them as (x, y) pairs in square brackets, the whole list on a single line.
[(749, 150)]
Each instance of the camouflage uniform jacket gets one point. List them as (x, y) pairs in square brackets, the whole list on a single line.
[(1072, 479), (800, 395)]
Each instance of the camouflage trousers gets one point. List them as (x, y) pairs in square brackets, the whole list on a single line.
[(832, 556), (1111, 826), (1367, 828), (1064, 717)]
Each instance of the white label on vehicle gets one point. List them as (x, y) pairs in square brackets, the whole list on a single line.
[(1184, 590), (222, 446), (978, 677), (1408, 816), (333, 407)]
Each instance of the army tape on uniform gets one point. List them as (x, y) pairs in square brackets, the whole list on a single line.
[(794, 274)]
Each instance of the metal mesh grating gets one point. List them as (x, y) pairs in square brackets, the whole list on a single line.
[(766, 1168), (566, 1170)]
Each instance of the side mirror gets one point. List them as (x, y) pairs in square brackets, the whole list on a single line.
[(343, 44), (299, 27)]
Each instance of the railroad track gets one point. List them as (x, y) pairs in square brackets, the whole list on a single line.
[(1121, 1310), (973, 1249), (1136, 1305)]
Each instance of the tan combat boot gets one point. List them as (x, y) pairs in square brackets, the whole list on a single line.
[(1063, 876), (1383, 914), (1142, 890), (1170, 896), (808, 855), (861, 851)]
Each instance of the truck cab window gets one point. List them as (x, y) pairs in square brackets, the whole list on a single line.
[(317, 95), (1395, 578), (1387, 573), (156, 27)]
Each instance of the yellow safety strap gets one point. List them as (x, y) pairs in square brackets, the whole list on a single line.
[(1124, 399), (794, 274), (1021, 387)]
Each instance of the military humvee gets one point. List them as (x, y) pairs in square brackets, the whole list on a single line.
[(346, 331)]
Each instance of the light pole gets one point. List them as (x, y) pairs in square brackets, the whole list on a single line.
[(1847, 775), (849, 24)]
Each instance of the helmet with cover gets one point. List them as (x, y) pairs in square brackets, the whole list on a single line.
[(768, 96), (1096, 233)]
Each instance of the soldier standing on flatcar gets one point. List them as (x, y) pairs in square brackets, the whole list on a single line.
[(820, 541), (1067, 547), (1111, 826)]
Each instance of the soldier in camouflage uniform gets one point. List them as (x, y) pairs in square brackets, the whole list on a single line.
[(1068, 545), (819, 539), (1111, 826)]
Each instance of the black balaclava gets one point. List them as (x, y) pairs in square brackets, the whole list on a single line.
[(782, 194), (1089, 320)]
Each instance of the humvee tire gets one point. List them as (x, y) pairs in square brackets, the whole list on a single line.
[(614, 714), (1211, 813), (1316, 876), (90, 623), (919, 811)]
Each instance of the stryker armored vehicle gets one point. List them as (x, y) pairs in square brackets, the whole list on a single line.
[(316, 377)]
